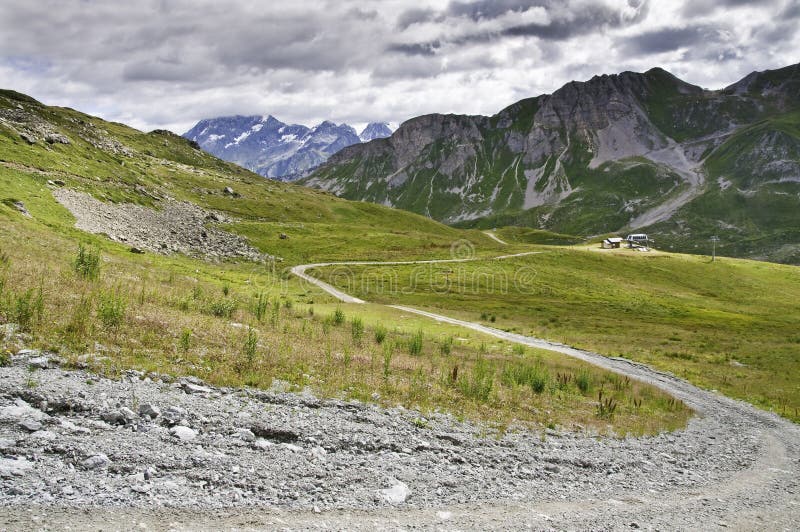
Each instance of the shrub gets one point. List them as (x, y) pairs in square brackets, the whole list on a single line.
[(87, 263), (249, 349), (78, 325), (226, 289), (446, 345), (478, 383), (525, 374), (23, 310), (338, 316), (388, 352), (518, 349), (111, 309), (357, 329), (415, 343), (606, 406), (275, 315), (222, 308), (380, 334)]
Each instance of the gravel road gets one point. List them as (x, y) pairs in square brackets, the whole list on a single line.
[(146, 451)]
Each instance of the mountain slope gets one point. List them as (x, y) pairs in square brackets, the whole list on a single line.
[(120, 165), (619, 152), (274, 149)]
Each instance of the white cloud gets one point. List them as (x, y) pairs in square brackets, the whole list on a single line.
[(168, 64)]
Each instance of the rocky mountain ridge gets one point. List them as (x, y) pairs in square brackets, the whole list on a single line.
[(619, 152), (273, 148)]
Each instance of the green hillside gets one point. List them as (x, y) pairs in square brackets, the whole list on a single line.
[(629, 152), (100, 301)]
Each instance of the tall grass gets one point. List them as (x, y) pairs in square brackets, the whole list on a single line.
[(87, 263), (380, 334), (478, 383), (260, 306), (111, 307), (357, 330), (533, 375), (415, 343)]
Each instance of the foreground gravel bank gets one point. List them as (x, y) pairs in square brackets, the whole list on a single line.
[(81, 450)]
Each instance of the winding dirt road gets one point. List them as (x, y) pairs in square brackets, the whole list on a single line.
[(759, 493), (732, 467)]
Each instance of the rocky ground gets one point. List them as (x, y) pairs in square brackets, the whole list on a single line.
[(176, 227), (82, 450)]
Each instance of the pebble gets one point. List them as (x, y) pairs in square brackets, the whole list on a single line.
[(397, 494), (183, 433), (98, 461), (149, 410)]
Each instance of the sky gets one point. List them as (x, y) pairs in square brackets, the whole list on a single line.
[(169, 63)]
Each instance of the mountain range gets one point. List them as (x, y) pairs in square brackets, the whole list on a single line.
[(273, 148), (632, 151)]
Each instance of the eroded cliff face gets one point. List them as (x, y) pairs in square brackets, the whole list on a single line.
[(624, 151)]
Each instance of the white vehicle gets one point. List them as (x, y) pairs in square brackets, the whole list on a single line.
[(638, 240)]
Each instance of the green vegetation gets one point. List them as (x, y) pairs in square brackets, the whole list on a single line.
[(474, 171), (730, 325), (87, 263), (239, 323)]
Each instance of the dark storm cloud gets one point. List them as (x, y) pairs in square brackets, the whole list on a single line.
[(703, 7), (590, 18), (428, 49), (416, 16), (668, 39), (566, 20)]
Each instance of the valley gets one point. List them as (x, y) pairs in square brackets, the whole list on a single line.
[(155, 297)]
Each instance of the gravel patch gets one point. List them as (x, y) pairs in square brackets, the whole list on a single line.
[(189, 457), (176, 227)]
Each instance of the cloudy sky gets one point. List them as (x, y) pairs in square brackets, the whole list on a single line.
[(169, 63)]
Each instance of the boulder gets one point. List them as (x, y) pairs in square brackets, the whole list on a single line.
[(397, 494), (21, 208), (98, 461), (183, 433), (56, 138), (173, 415), (31, 425), (149, 410)]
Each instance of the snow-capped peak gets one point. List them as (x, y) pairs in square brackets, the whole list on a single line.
[(375, 130)]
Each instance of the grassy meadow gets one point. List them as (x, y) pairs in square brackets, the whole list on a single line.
[(729, 325), (238, 323)]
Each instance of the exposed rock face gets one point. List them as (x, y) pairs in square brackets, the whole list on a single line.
[(628, 151)]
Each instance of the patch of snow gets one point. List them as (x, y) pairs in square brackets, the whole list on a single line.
[(213, 137), (256, 128), (241, 137)]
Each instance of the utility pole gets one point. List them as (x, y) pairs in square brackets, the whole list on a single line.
[(714, 240)]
